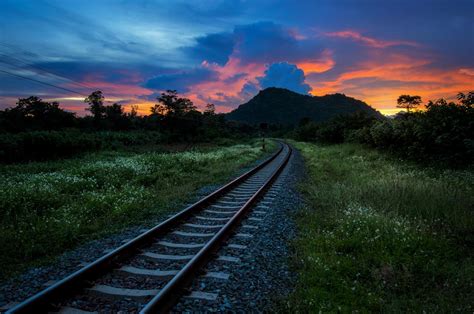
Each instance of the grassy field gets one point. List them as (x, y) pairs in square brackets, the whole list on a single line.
[(379, 234), (48, 207)]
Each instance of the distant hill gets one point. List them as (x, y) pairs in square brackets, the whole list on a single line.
[(282, 106)]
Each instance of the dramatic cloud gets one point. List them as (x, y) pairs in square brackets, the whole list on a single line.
[(372, 42), (261, 42), (213, 48), (224, 51), (284, 75), (180, 81), (264, 42)]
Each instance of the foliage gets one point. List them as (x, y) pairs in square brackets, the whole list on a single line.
[(443, 134), (43, 145), (35, 114), (378, 235), (48, 207), (96, 105), (169, 104), (336, 130), (408, 102), (39, 130)]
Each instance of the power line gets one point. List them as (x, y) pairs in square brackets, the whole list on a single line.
[(79, 84), (41, 82), (28, 63), (22, 68), (25, 62)]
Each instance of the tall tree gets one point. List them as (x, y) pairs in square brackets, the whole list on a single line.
[(169, 104), (408, 102), (210, 110), (134, 111), (96, 104), (466, 99)]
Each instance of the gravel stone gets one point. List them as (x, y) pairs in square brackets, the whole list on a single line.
[(262, 277)]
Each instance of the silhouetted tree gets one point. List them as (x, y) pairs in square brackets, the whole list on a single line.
[(113, 112), (176, 114), (444, 133), (33, 113), (169, 104), (466, 100), (115, 118), (134, 111), (96, 105), (210, 110), (408, 102)]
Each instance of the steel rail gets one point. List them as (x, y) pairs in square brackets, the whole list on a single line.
[(44, 300), (171, 292)]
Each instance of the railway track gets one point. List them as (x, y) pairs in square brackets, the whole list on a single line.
[(151, 272)]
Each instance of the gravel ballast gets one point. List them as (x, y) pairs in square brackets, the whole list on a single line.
[(261, 278)]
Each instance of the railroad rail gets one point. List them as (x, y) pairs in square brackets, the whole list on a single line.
[(200, 230)]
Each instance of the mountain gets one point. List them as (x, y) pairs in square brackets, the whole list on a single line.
[(282, 106)]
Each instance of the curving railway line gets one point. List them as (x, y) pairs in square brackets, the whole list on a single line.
[(151, 272)]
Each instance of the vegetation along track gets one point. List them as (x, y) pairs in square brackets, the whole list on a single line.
[(149, 273)]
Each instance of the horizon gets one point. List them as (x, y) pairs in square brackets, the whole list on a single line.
[(224, 52), (143, 112)]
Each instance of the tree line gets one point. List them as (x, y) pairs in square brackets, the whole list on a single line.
[(443, 134), (35, 129), (170, 113)]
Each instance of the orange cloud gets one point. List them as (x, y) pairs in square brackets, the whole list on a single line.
[(402, 75), (369, 41), (467, 71), (319, 65), (379, 80)]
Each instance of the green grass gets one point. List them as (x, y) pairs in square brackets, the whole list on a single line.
[(379, 234), (48, 207)]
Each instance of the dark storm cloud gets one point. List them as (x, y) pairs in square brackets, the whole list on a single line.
[(214, 48), (253, 43), (264, 42), (284, 75)]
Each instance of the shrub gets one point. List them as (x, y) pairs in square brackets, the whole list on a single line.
[(444, 133), (43, 145), (337, 130)]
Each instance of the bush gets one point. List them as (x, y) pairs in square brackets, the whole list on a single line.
[(43, 145), (444, 133), (337, 130)]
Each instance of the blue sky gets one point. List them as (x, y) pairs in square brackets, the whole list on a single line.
[(225, 51)]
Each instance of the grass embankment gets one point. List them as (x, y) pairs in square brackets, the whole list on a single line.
[(382, 235), (48, 207)]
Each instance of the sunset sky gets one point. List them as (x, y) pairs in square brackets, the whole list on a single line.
[(223, 52)]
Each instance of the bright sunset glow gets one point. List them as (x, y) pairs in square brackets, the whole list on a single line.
[(222, 52)]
